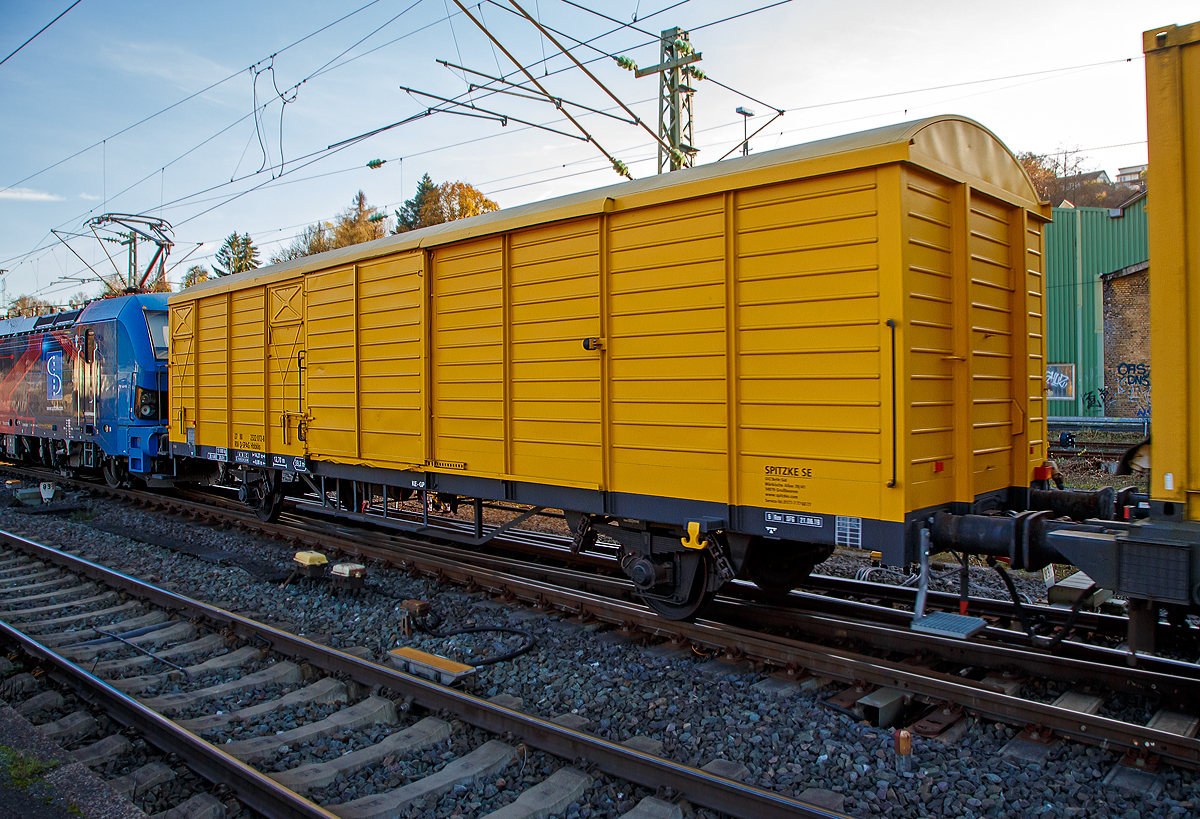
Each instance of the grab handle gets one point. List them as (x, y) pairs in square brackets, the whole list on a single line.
[(892, 324)]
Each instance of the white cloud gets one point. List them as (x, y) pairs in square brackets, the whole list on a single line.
[(89, 197), (29, 195)]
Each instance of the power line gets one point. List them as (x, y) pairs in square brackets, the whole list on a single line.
[(317, 154), (43, 28), (794, 130), (323, 70), (182, 101), (961, 84), (741, 14)]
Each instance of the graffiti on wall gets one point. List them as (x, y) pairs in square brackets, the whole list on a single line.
[(1132, 389), (1095, 399), (1060, 382)]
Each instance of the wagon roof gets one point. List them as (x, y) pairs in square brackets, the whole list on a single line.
[(953, 146)]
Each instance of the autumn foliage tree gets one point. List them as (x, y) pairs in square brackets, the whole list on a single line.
[(437, 204), (456, 200), (1068, 177)]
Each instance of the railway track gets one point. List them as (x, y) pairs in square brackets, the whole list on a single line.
[(931, 674), (1100, 450), (159, 655)]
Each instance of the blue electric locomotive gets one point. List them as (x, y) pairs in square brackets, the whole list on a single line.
[(87, 388)]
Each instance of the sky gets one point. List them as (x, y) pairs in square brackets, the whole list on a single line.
[(256, 93)]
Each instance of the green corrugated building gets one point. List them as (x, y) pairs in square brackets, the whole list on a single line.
[(1085, 247)]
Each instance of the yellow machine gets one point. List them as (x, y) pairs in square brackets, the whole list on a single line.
[(729, 369)]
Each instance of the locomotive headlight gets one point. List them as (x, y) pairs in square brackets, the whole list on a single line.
[(146, 402)]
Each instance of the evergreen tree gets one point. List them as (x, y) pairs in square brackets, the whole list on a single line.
[(237, 254), (358, 223), (409, 216)]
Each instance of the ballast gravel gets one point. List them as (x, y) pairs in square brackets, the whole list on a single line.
[(788, 744)]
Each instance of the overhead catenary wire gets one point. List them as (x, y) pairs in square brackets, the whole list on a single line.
[(617, 164), (649, 34), (810, 127), (39, 31), (321, 71), (188, 98), (313, 75), (253, 113), (837, 102)]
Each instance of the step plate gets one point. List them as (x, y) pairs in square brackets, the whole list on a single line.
[(950, 625)]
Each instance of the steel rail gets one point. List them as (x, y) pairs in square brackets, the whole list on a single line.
[(256, 790), (552, 545), (820, 616), (833, 662), (837, 663), (1152, 676), (1109, 624), (699, 787), (1179, 690)]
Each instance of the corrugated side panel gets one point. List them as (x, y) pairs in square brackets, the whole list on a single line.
[(667, 350), (1070, 326), (468, 357), (285, 338), (391, 360), (183, 370), (809, 356), (554, 383), (1083, 244), (212, 371), (1114, 242), (928, 230), (249, 382), (331, 344), (992, 327)]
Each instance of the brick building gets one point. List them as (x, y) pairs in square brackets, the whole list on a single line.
[(1098, 303), (1127, 342)]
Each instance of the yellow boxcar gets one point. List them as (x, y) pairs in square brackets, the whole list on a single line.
[(754, 360)]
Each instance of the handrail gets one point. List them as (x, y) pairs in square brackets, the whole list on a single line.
[(892, 324)]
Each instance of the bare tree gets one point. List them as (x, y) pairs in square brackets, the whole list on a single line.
[(28, 306), (1069, 177), (195, 274)]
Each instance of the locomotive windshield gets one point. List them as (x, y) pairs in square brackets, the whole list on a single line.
[(156, 321)]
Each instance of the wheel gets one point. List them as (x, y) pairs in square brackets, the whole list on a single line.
[(777, 567), (112, 472), (261, 491), (690, 604), (269, 507)]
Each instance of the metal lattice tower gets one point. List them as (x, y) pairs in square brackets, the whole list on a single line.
[(675, 122)]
